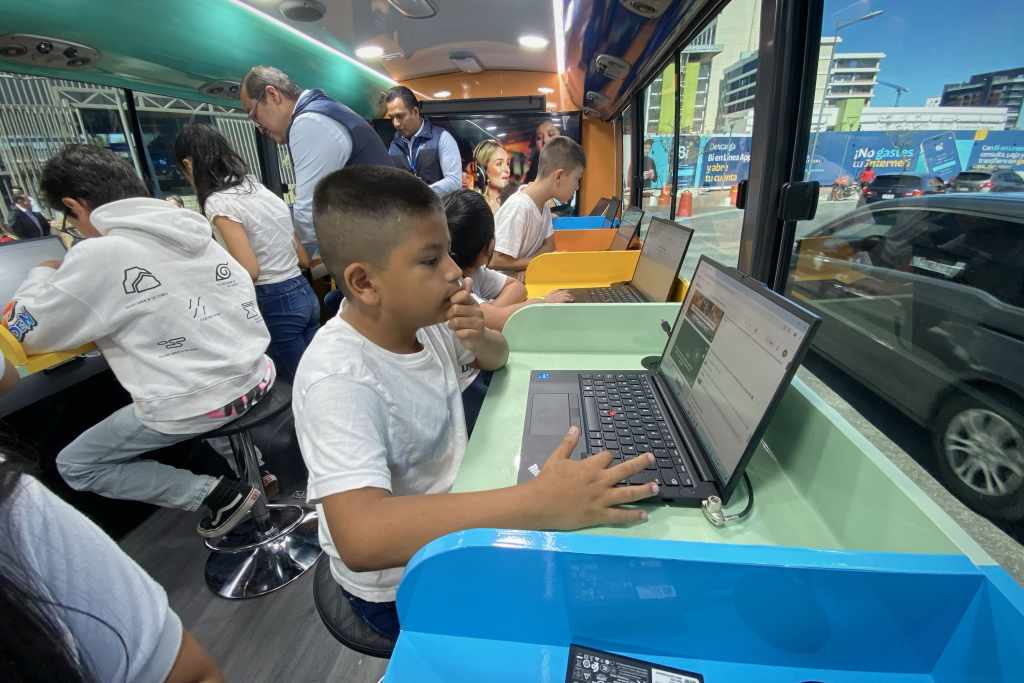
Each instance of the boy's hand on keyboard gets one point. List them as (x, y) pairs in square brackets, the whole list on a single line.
[(574, 494), (559, 296), (465, 317)]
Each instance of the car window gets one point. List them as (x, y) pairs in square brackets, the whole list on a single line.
[(973, 176), (977, 251), (869, 223), (896, 181)]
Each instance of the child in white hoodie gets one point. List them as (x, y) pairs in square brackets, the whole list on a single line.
[(176, 319)]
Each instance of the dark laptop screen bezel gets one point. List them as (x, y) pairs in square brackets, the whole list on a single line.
[(757, 288), (601, 207), (632, 233), (611, 212), (650, 226)]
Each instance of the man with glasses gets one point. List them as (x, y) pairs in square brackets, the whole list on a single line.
[(322, 135)]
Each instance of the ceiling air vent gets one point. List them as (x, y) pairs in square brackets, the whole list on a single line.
[(303, 10), (611, 67), (225, 89), (466, 61), (414, 9), (43, 51), (648, 9)]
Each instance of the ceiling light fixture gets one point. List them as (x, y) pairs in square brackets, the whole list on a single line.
[(303, 10), (501, 135), (466, 61), (533, 42), (441, 94), (313, 41), (414, 9), (492, 128), (545, 91), (369, 52), (559, 36)]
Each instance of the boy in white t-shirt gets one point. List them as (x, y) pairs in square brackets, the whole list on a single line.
[(522, 226), (471, 226), (377, 403)]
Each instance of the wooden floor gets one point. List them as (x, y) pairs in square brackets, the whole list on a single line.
[(278, 637)]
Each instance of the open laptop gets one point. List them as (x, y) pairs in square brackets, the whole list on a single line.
[(629, 227), (21, 256), (732, 353), (608, 207), (656, 269)]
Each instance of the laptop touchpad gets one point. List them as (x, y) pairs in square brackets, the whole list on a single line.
[(550, 415)]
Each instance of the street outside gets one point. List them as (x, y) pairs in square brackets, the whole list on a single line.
[(717, 227)]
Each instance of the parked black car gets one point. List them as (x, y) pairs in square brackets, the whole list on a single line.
[(987, 180), (922, 301), (900, 185)]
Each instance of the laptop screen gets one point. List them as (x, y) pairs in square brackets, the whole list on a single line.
[(17, 258), (729, 354), (627, 228), (661, 258), (601, 207)]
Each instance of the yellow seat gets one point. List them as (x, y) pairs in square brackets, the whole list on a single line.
[(15, 353)]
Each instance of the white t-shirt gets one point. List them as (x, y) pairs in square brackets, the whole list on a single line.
[(367, 417), (487, 284), (95, 586), (520, 228), (268, 225)]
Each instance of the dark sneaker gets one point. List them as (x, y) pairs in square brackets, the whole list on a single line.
[(271, 487), (228, 503)]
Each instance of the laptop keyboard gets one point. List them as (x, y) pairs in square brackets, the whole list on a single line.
[(608, 295), (623, 416)]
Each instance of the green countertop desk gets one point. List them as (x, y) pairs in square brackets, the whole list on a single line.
[(817, 482)]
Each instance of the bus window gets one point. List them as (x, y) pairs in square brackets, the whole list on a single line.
[(922, 318)]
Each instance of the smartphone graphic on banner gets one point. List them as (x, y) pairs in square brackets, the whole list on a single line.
[(940, 155)]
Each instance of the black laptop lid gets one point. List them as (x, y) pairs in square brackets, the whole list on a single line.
[(730, 358), (601, 207), (612, 211), (628, 228), (661, 258)]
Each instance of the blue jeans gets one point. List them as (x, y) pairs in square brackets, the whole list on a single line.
[(473, 398), (382, 617), (292, 314)]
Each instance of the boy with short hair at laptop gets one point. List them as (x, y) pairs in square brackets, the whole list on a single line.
[(522, 226), (471, 225), (377, 403), (175, 317)]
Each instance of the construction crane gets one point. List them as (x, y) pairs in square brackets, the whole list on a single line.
[(898, 88)]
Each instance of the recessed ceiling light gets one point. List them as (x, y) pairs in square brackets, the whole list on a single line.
[(369, 52), (532, 42), (441, 94), (492, 128), (545, 91), (501, 135)]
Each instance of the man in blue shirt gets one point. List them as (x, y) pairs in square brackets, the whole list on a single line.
[(322, 135), (419, 146)]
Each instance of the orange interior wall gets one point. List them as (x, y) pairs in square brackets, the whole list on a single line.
[(600, 139)]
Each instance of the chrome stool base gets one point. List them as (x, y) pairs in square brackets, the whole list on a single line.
[(248, 563)]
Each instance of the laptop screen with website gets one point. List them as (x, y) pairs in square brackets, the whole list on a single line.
[(728, 354), (627, 228), (660, 258), (17, 258)]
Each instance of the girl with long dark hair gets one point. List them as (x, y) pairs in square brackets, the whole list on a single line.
[(255, 226)]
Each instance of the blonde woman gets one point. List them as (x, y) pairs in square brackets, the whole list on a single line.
[(492, 172)]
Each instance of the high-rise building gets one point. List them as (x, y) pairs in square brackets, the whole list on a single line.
[(993, 89), (737, 33), (851, 79), (696, 63)]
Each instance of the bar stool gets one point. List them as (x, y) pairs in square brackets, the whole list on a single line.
[(341, 620), (276, 543)]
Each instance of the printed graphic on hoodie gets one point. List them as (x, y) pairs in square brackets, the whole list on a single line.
[(18, 322), (138, 279)]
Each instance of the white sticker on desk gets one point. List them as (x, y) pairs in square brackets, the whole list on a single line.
[(534, 469), (659, 676)]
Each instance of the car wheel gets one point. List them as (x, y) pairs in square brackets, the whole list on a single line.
[(979, 443)]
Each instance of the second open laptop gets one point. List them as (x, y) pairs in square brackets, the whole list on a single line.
[(629, 227), (656, 269)]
